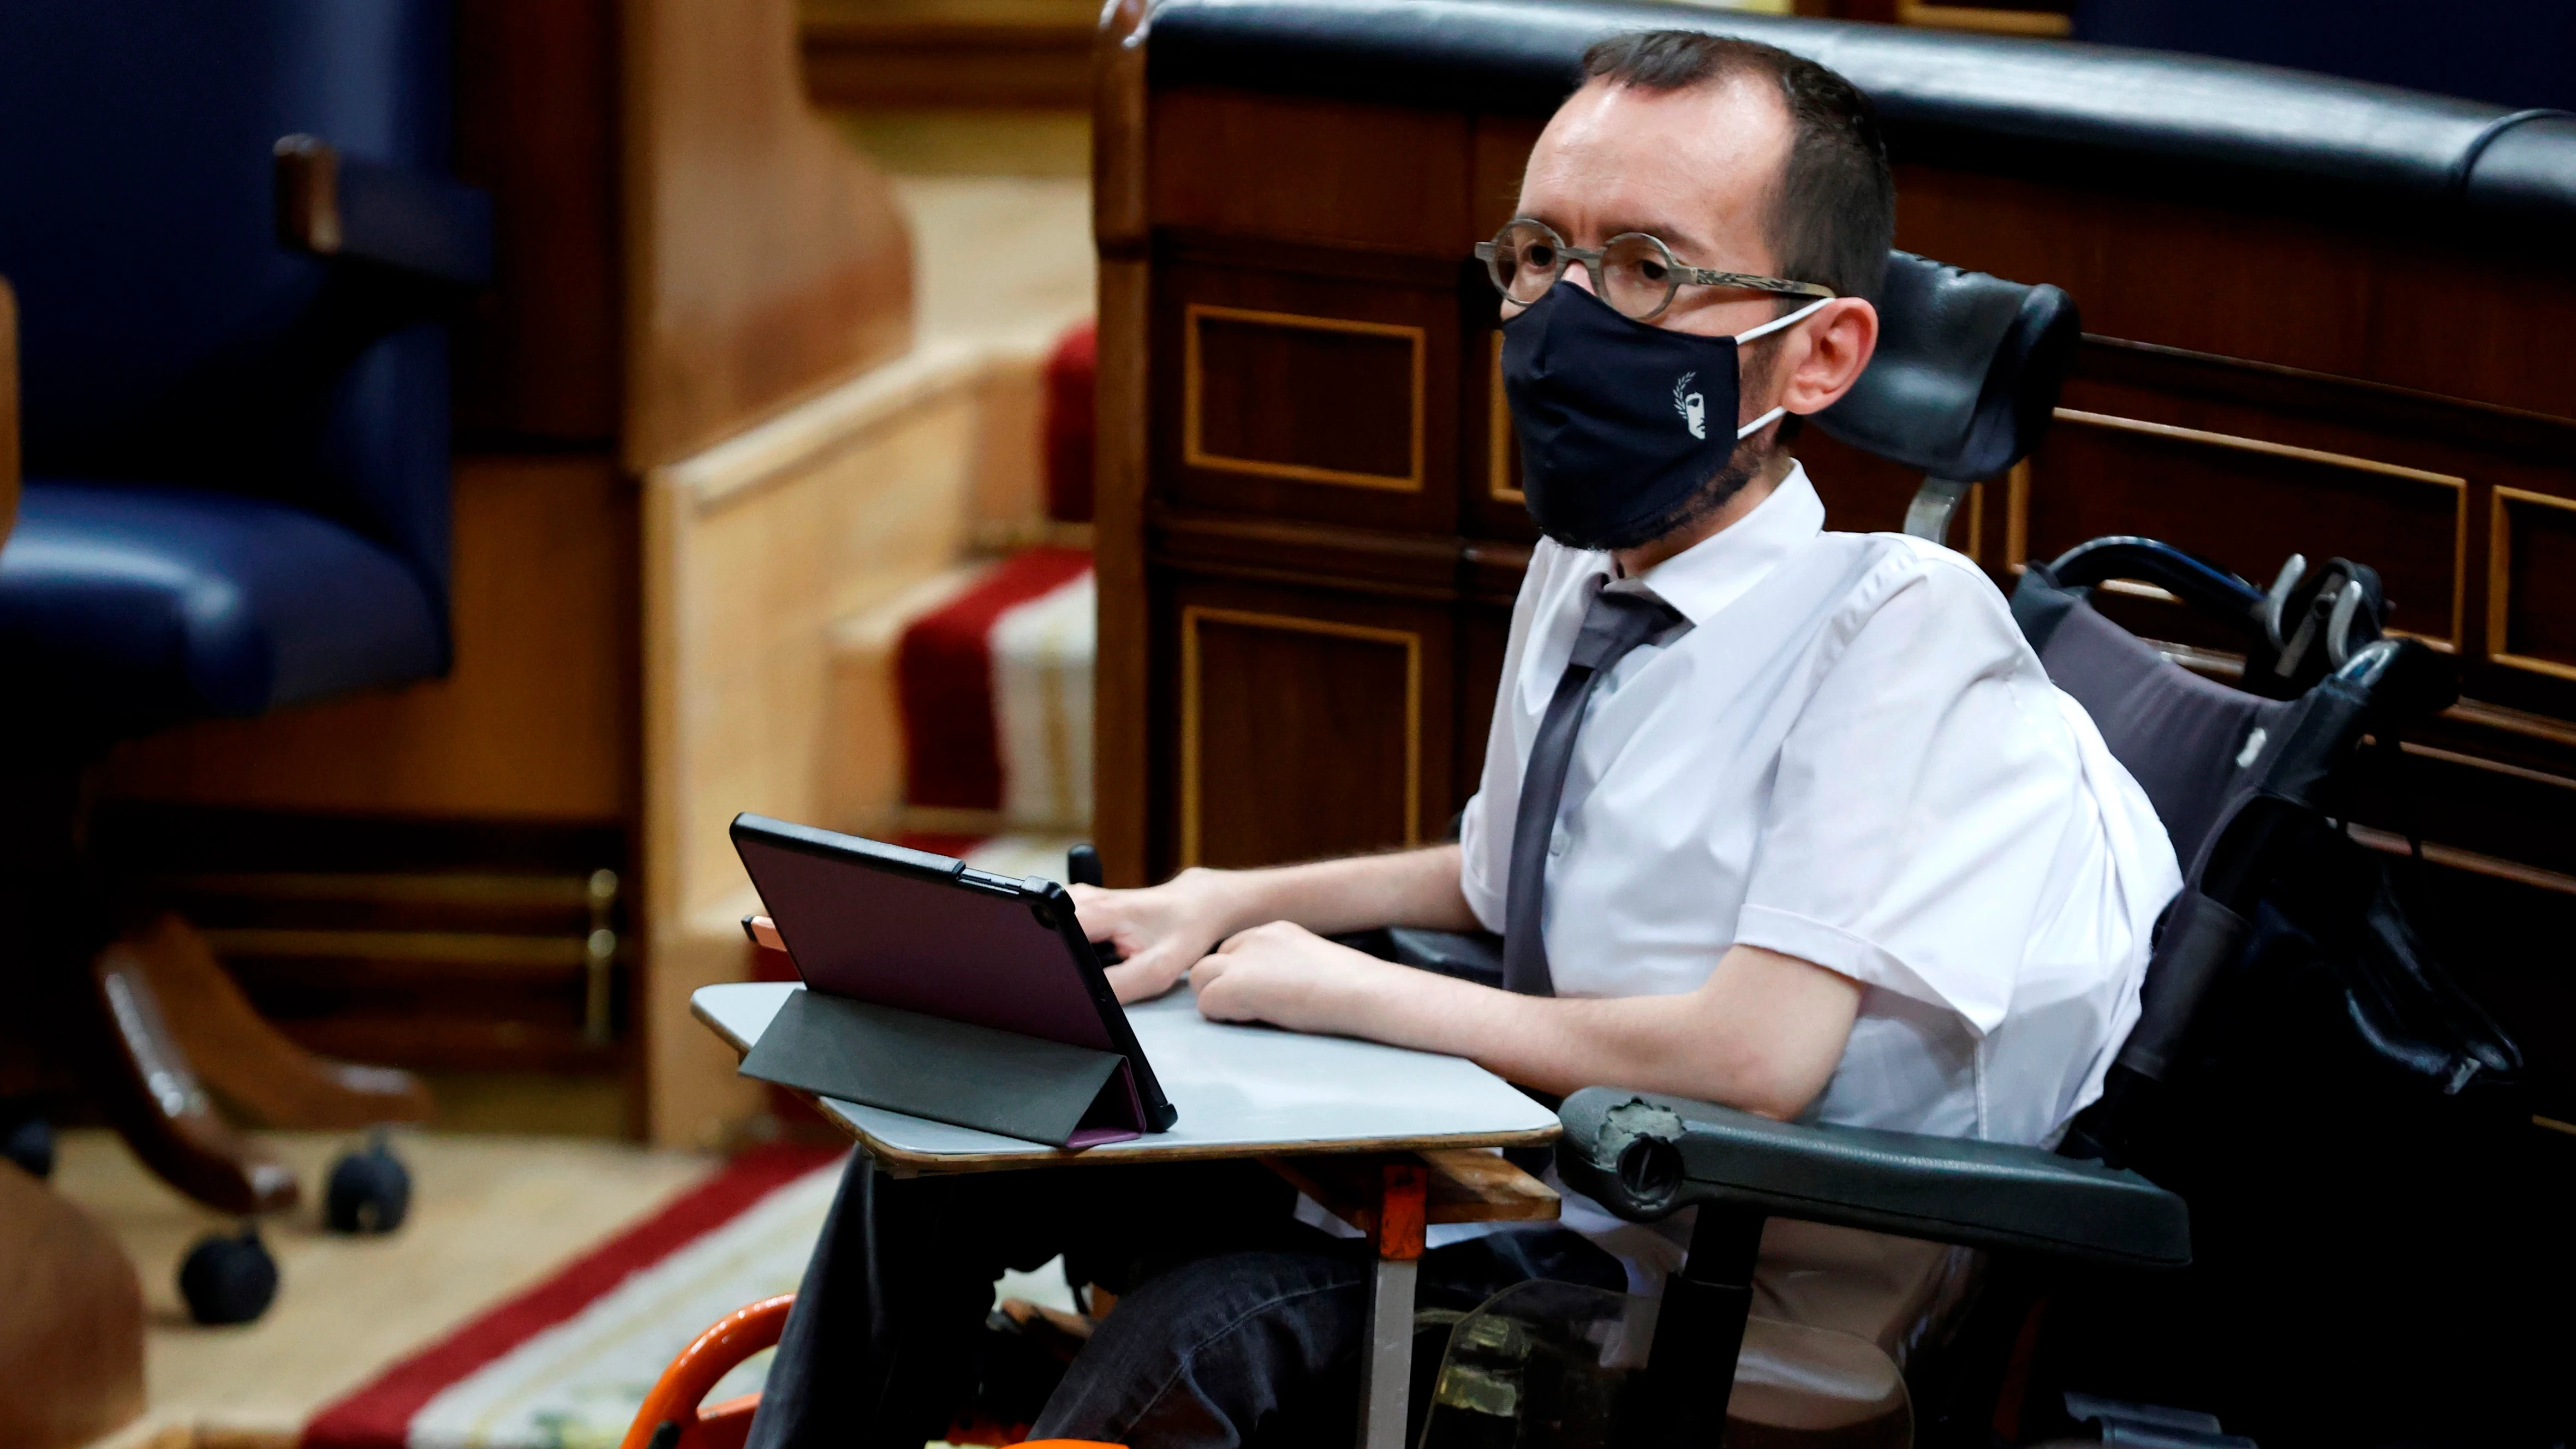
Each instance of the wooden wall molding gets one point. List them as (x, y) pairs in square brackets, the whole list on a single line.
[(1502, 450), (1194, 451), (2017, 528), (1026, 57), (1193, 797), (2389, 842), (1421, 566), (2327, 397), (2258, 445), (2500, 596)]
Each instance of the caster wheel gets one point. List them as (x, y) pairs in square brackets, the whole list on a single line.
[(29, 1142), (228, 1279), (370, 1191)]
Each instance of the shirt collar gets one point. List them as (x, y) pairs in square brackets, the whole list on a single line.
[(1716, 571)]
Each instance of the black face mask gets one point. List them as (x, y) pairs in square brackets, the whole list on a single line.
[(1620, 422)]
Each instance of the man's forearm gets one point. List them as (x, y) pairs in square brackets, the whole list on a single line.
[(1405, 888), (1763, 1034)]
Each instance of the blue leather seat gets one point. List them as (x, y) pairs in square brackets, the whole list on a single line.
[(152, 603), (235, 429)]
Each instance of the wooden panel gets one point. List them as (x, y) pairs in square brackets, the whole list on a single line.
[(1306, 395), (1388, 178), (1502, 145), (2466, 800), (942, 53), (2531, 583), (1260, 690), (1384, 565), (1308, 399), (1123, 775), (536, 110), (1489, 474), (765, 259), (2102, 474), (2313, 294), (539, 716), (1302, 732), (755, 553)]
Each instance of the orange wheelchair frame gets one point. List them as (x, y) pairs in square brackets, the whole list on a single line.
[(674, 1415)]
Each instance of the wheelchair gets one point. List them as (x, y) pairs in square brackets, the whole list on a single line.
[(2089, 1280), (2248, 787)]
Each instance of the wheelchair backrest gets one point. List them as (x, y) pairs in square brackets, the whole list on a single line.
[(2192, 743)]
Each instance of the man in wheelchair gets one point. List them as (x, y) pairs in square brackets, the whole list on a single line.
[(1772, 816)]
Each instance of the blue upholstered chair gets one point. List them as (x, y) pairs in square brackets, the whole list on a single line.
[(232, 239)]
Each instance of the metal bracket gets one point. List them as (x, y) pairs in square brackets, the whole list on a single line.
[(1928, 516)]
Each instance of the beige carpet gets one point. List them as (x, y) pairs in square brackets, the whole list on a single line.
[(490, 1214)]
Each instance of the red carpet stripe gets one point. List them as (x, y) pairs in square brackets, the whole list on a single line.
[(944, 670), (379, 1415)]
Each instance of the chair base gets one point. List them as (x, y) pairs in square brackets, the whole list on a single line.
[(144, 1078), (95, 1007), (251, 1065)]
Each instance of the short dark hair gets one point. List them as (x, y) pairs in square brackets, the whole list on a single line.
[(1833, 209)]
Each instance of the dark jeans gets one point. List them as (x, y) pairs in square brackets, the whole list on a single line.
[(1235, 1323)]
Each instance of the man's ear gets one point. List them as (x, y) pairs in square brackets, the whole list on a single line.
[(1838, 340)]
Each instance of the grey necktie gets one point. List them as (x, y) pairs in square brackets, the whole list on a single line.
[(1623, 616)]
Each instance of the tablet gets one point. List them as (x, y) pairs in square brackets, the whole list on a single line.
[(929, 934)]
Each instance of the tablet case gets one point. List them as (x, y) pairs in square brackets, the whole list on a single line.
[(926, 936), (948, 1071)]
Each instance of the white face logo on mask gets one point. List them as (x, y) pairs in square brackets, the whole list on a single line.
[(1693, 410)]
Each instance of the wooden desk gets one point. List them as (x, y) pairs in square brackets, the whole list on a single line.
[(1390, 1140)]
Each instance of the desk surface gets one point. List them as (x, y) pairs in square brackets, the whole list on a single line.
[(1242, 1091)]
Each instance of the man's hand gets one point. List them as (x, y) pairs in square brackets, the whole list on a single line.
[(1162, 930), (1288, 976)]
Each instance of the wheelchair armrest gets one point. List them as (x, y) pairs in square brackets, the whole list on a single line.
[(1643, 1156), (345, 207)]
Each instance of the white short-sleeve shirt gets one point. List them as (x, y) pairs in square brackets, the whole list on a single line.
[(1850, 756)]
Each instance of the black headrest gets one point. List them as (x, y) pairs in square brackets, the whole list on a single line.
[(1966, 373)]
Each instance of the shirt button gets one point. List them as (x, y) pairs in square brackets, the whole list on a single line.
[(1556, 843)]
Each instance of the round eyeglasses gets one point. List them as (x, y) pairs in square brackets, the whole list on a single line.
[(1633, 272)]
